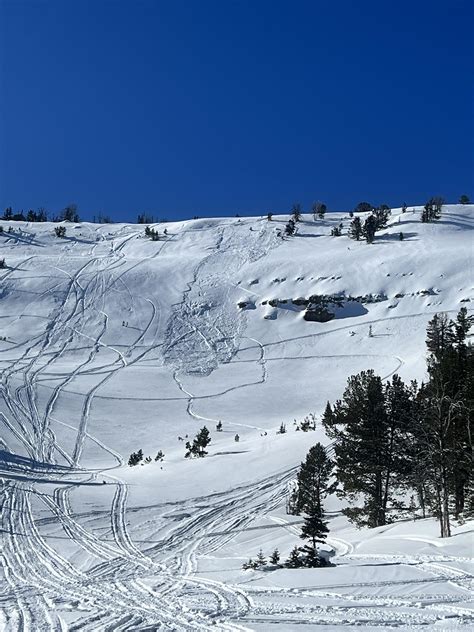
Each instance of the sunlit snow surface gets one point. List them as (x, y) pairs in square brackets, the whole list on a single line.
[(116, 343)]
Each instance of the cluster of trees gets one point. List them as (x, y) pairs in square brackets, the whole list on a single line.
[(145, 219), (375, 221), (261, 561), (152, 233), (432, 209), (200, 442), (137, 457), (31, 216), (68, 214), (394, 439)]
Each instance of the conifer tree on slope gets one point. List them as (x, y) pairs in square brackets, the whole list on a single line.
[(200, 442), (313, 486), (443, 433), (355, 229), (313, 479), (370, 435)]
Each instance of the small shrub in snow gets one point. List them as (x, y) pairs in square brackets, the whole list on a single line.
[(60, 231), (250, 565), (282, 429), (160, 456)]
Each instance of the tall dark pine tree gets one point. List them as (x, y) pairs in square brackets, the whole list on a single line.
[(368, 428), (312, 479), (313, 486), (355, 229), (444, 433), (370, 226)]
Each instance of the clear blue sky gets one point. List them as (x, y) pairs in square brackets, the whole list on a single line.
[(203, 107)]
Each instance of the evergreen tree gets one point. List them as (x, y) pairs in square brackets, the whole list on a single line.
[(261, 560), (381, 215), (370, 226), (135, 458), (368, 433), (70, 214), (200, 442), (318, 209), (363, 207), (275, 557), (313, 479), (336, 231), (464, 199), (444, 433), (296, 212), (290, 228), (294, 560), (269, 216), (355, 229)]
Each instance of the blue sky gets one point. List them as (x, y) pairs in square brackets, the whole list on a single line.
[(203, 107)]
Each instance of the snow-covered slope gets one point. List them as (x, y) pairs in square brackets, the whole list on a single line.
[(115, 342)]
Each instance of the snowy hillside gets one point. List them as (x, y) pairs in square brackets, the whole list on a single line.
[(114, 343)]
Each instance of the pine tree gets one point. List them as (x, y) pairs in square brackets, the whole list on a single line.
[(444, 433), (261, 559), (355, 229), (312, 479), (296, 212), (290, 227), (275, 557), (370, 226), (363, 207), (381, 215), (294, 560), (464, 199), (367, 434), (219, 426), (200, 442), (135, 458), (318, 209)]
